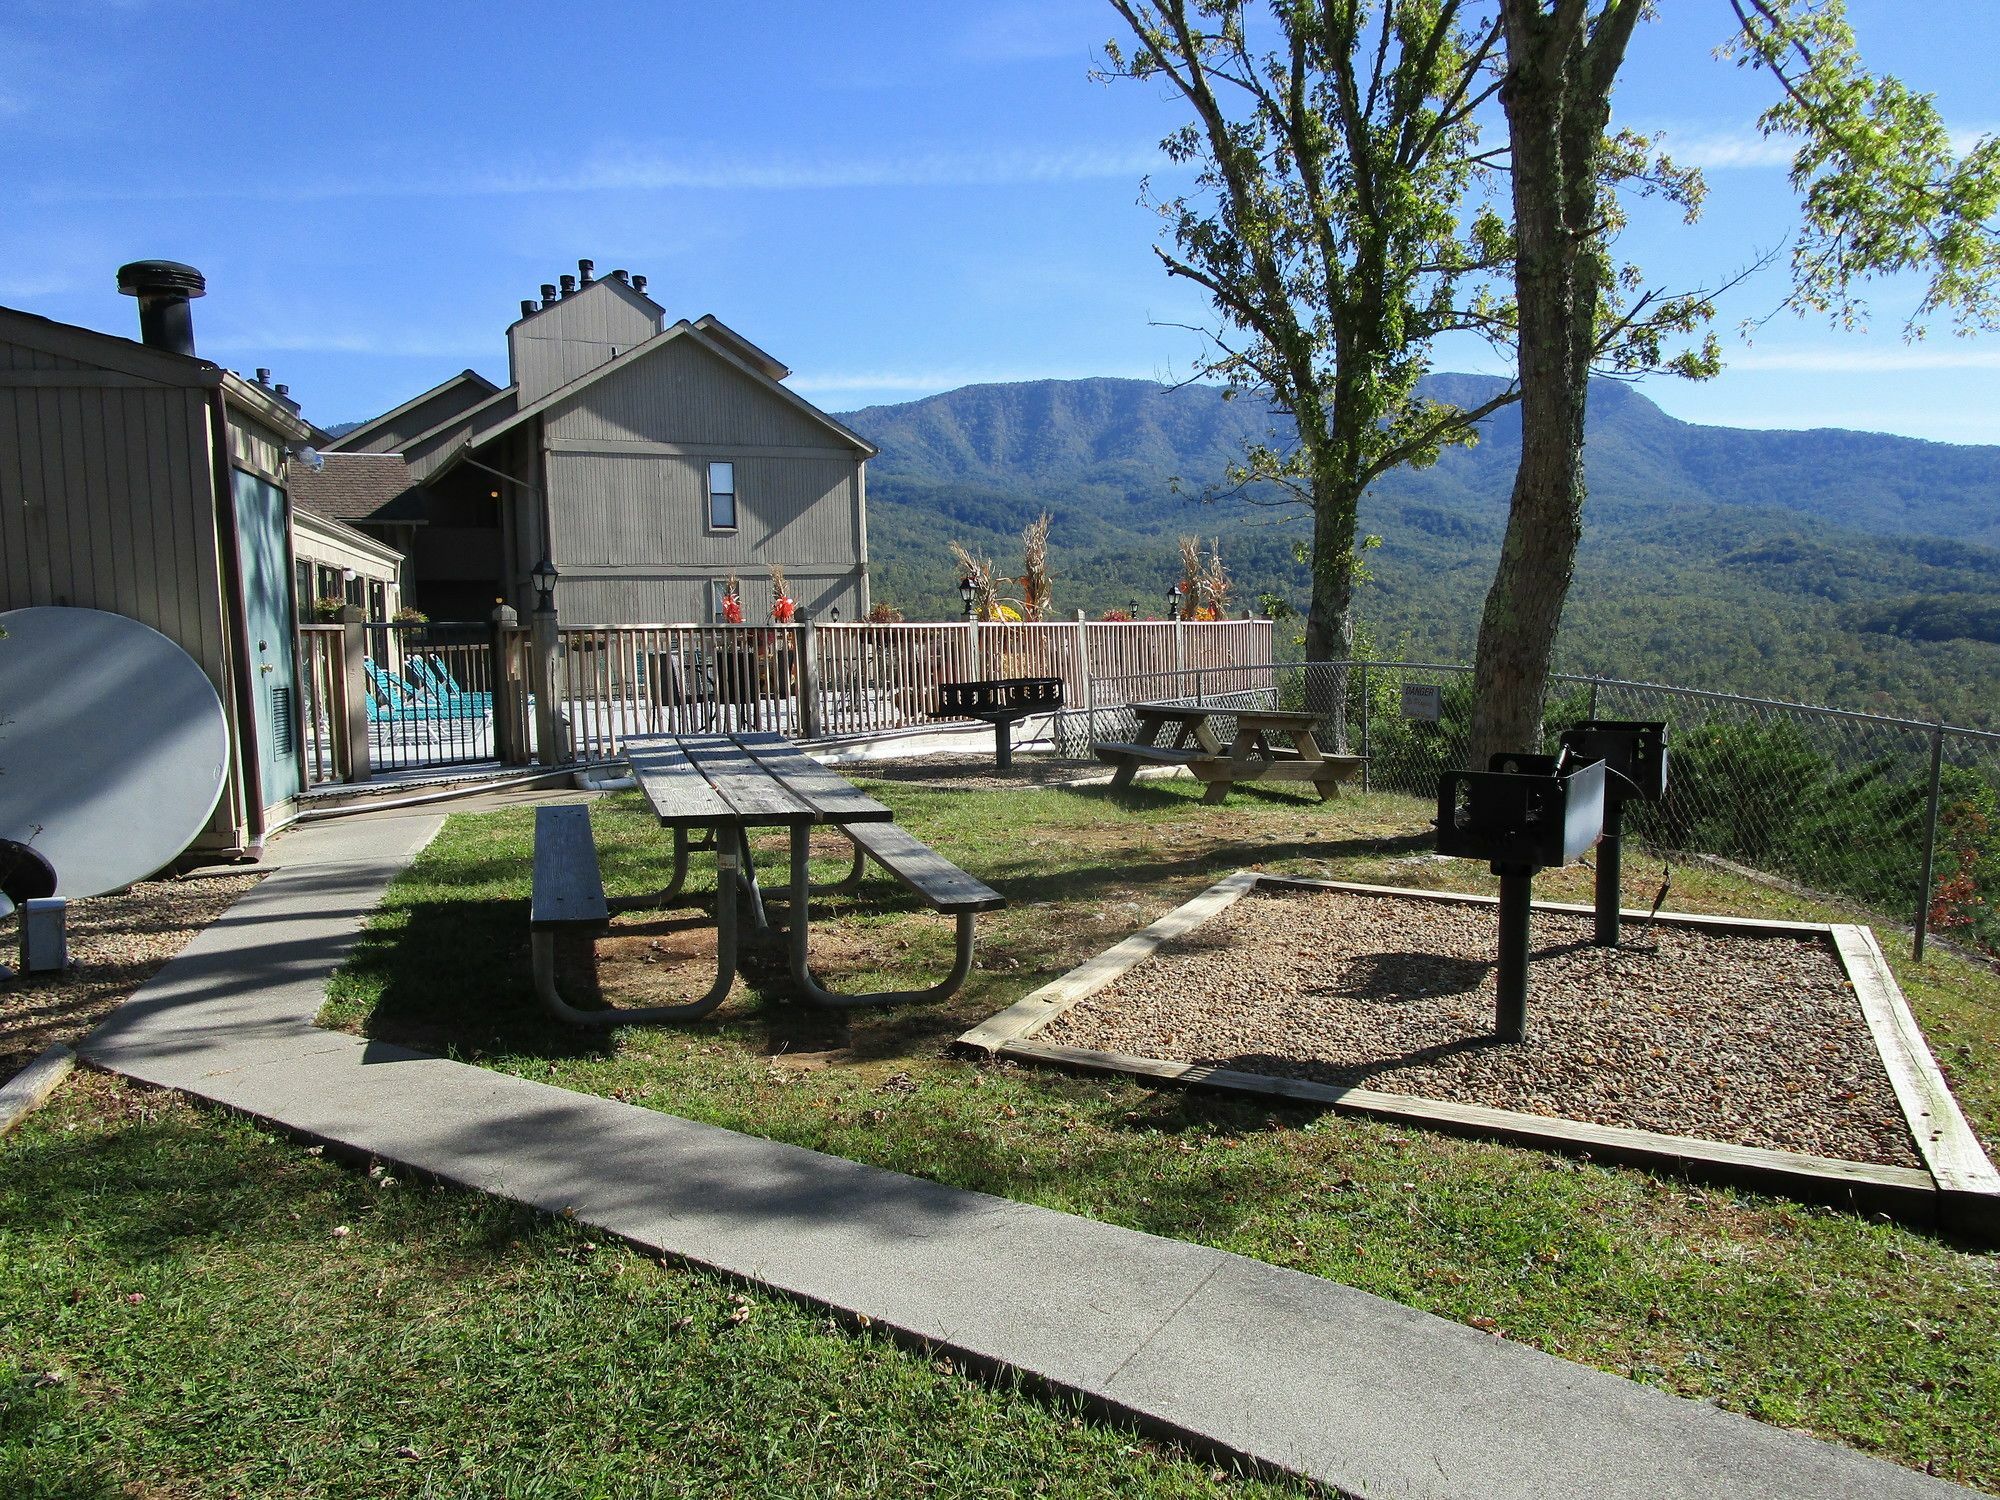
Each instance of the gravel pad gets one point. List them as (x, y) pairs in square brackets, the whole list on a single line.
[(1756, 1041)]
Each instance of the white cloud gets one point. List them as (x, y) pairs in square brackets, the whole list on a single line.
[(1864, 360), (662, 172), (1723, 150)]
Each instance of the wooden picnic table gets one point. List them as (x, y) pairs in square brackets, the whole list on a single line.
[(730, 784), (1270, 744)]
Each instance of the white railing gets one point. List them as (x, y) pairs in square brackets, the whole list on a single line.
[(856, 678)]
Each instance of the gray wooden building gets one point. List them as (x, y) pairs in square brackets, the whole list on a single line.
[(144, 481), (648, 459)]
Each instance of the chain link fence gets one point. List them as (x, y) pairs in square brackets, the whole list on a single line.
[(1897, 816)]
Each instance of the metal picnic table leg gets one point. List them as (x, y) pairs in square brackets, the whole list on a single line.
[(801, 964), (667, 892), (542, 951), (746, 880)]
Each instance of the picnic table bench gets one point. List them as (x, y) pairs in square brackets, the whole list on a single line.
[(1270, 745), (729, 784)]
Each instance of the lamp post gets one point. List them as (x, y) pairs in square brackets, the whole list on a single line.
[(967, 592), (545, 647), (1174, 597)]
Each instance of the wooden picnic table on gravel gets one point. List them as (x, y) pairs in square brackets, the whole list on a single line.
[(1270, 744)]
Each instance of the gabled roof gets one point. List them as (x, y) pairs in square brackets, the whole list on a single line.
[(481, 436), (748, 352), (361, 487), (106, 351), (472, 380), (122, 356), (612, 284), (312, 523)]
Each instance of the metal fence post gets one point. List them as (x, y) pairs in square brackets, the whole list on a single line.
[(807, 678), (1593, 699), (1923, 921), (1364, 725)]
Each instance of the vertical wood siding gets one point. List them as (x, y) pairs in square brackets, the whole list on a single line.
[(685, 393), (627, 473), (576, 335), (454, 400), (107, 501)]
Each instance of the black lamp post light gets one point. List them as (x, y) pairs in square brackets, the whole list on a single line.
[(1174, 597), (967, 592), (544, 577)]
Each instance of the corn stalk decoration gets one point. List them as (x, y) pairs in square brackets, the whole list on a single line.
[(784, 609), (1037, 583), (1205, 583), (986, 601)]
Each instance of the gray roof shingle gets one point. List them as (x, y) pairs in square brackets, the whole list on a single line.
[(361, 487)]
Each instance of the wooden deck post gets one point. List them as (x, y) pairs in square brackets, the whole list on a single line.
[(807, 678), (351, 707), (545, 681)]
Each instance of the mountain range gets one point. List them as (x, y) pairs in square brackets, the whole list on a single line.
[(1853, 568)]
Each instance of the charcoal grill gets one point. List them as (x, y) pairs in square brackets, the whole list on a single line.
[(1002, 702), (1523, 814), (1634, 752)]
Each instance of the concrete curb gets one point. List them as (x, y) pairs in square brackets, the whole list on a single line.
[(30, 1088)]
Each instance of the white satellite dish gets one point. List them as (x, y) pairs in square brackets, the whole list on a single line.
[(113, 745)]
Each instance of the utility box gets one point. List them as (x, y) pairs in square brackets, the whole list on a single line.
[(1524, 812), (44, 935)]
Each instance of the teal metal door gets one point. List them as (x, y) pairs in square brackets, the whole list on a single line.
[(268, 614)]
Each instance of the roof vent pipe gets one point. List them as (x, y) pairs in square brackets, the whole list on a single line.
[(548, 291), (620, 275), (528, 308), (583, 270), (263, 375), (638, 283), (568, 285), (284, 392), (164, 289)]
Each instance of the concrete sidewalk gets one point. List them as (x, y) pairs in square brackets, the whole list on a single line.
[(1314, 1377)]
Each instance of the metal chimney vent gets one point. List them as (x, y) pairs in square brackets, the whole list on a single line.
[(164, 289)]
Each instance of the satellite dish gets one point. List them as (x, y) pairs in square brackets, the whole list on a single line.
[(113, 746)]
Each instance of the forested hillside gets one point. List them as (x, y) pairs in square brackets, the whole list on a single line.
[(1845, 567)]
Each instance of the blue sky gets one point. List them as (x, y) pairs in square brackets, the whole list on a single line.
[(895, 199)]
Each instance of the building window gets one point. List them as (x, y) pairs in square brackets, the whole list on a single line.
[(722, 497), (302, 587), (378, 600)]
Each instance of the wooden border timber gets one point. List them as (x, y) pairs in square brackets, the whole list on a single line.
[(1956, 1189), (30, 1088)]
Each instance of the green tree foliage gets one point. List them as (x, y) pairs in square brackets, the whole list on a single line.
[(1332, 167), (1881, 193)]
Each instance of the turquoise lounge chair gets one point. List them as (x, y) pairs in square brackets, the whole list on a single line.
[(439, 687), (391, 700)]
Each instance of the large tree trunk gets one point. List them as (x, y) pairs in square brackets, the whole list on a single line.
[(1558, 101), (1330, 622)]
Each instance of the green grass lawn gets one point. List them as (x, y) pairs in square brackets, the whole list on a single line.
[(1882, 1337), (181, 1314)]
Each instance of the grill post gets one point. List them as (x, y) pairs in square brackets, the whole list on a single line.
[(1610, 872), (1510, 1011)]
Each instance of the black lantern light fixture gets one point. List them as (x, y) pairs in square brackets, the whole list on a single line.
[(1174, 597), (544, 578), (967, 592)]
